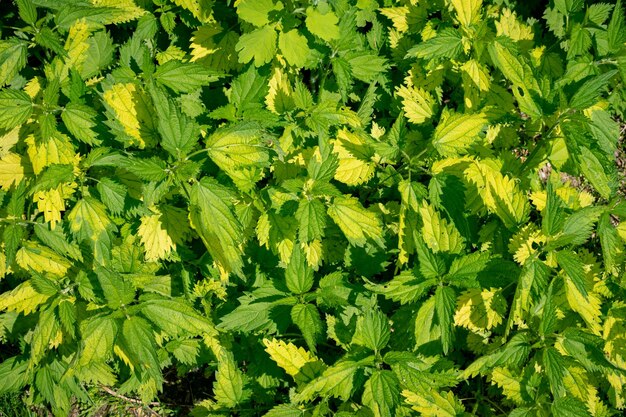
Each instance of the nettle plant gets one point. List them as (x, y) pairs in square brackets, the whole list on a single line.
[(346, 208)]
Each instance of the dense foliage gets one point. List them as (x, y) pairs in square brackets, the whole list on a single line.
[(324, 208)]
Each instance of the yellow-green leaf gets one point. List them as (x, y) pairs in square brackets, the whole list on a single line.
[(457, 132), (42, 259), (288, 356), (356, 223), (437, 233), (13, 169), (22, 299)]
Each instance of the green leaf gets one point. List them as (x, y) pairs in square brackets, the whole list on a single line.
[(574, 269), (239, 147), (184, 77), (311, 215), (464, 270), (616, 30), (99, 336), (285, 410), (569, 407), (179, 134), (12, 59), (367, 67), (580, 41), (14, 374), (52, 176), (211, 215), (555, 371), (112, 194), (57, 240), (578, 227), (15, 108), (554, 213), (118, 292), (247, 317), (446, 44), (298, 275), (445, 300), (438, 234), (175, 317), (27, 11), (153, 169), (612, 246), (430, 264), (248, 89), (590, 91), (257, 11), (372, 330), (294, 48), (99, 54), (308, 320), (138, 345), (382, 393), (79, 121), (260, 45), (322, 25), (594, 172)]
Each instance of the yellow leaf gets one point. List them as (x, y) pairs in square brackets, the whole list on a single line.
[(418, 104), (570, 196), (172, 53), (467, 11), (52, 202), (3, 264), (13, 169), (354, 168), (161, 232), (57, 149), (510, 26), (22, 299), (398, 16), (480, 309), (219, 55), (76, 45), (313, 252), (279, 97), (526, 242), (457, 132), (434, 403), (123, 10), (288, 356), (201, 9), (437, 233), (8, 140), (478, 74), (33, 87), (500, 194), (510, 384), (588, 307), (41, 259), (131, 109)]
